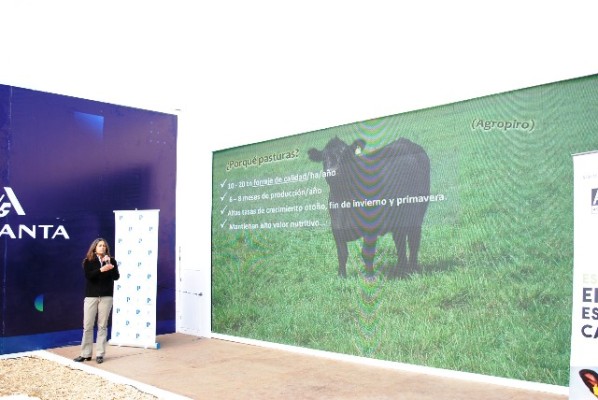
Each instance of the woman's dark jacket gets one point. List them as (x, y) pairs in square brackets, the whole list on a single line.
[(97, 283)]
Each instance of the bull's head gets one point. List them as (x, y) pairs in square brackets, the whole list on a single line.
[(335, 151)]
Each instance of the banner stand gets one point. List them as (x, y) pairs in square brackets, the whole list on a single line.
[(136, 251), (583, 378)]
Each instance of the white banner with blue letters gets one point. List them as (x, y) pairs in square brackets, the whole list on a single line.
[(136, 251), (583, 379)]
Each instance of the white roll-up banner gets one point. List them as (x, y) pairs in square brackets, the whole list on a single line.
[(136, 251), (583, 379)]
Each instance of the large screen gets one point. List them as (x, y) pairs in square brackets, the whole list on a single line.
[(441, 237)]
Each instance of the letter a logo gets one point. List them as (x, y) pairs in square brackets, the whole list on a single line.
[(13, 202)]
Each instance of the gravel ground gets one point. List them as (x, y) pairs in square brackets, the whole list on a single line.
[(31, 377)]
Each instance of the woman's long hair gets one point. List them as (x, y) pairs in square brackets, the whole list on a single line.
[(91, 253)]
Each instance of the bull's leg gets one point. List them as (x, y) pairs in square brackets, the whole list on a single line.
[(368, 251), (343, 253), (400, 239), (414, 238)]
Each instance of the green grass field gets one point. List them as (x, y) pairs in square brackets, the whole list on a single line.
[(494, 292)]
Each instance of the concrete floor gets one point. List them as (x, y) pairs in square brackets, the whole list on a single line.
[(201, 368)]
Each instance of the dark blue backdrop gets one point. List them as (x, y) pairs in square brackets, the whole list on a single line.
[(69, 163)]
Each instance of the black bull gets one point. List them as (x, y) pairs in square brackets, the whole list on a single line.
[(372, 194)]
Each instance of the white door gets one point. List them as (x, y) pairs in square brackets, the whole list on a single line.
[(193, 297)]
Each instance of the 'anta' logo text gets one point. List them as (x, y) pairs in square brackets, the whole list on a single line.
[(10, 203)]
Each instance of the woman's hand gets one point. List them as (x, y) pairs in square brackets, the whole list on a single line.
[(108, 266)]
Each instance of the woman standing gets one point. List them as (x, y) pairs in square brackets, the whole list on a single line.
[(101, 270)]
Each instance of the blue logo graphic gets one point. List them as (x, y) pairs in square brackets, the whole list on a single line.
[(39, 303)]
